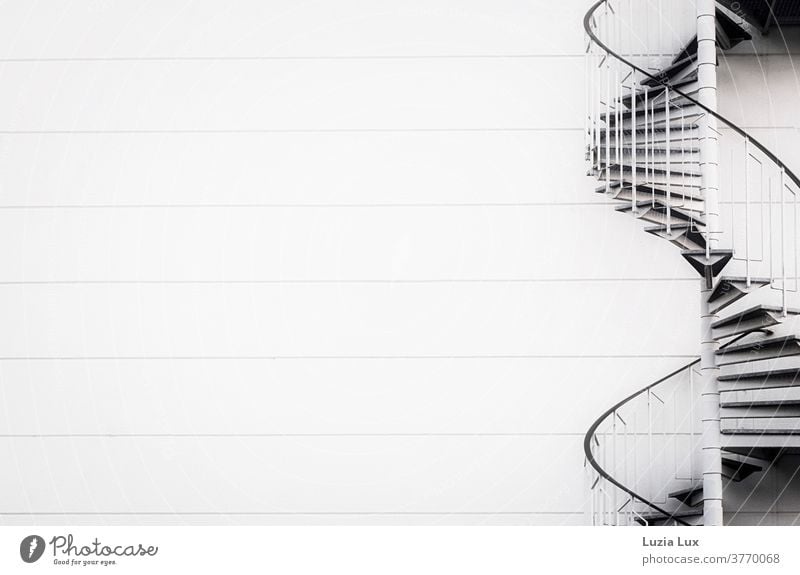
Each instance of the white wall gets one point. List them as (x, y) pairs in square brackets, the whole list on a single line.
[(760, 90), (325, 262)]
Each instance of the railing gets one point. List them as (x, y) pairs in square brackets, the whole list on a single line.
[(758, 192), (642, 448), (647, 444)]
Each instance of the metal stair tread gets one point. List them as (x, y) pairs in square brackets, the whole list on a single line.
[(628, 113), (762, 343), (677, 225), (652, 189), (685, 495), (740, 470), (672, 70), (678, 514), (675, 168), (761, 374), (715, 293), (760, 431), (749, 313)]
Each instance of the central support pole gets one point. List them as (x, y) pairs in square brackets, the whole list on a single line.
[(711, 462), (709, 170)]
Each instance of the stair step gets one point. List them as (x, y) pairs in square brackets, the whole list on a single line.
[(773, 375), (731, 289), (776, 443), (678, 119), (686, 236), (768, 397), (675, 183), (625, 194), (760, 348), (737, 470), (759, 379), (676, 168), (708, 263), (680, 105), (754, 318), (675, 71), (691, 496), (676, 152), (650, 189), (656, 212), (729, 31), (657, 519), (761, 426), (687, 85), (655, 140), (659, 134), (765, 455), (775, 411)]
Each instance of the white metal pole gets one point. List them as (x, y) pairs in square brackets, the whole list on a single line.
[(783, 238), (668, 164), (709, 169), (746, 209), (634, 158)]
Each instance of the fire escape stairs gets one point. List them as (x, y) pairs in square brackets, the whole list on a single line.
[(660, 183)]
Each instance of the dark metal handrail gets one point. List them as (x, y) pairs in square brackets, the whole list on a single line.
[(587, 26), (590, 434), (587, 444)]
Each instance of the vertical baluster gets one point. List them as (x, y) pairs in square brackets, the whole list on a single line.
[(596, 111), (606, 502), (746, 209), (794, 234), (646, 150), (618, 116), (588, 93), (668, 167), (633, 140), (649, 444), (653, 137), (782, 188), (595, 95), (691, 423), (771, 233), (608, 124), (683, 152), (733, 201), (626, 456), (635, 425), (614, 469)]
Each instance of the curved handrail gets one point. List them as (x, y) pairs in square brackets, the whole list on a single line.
[(587, 443), (587, 26), (591, 433)]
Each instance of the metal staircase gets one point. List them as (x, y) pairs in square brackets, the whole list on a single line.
[(669, 454)]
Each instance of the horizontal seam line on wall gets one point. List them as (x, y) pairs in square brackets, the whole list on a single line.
[(754, 203), (291, 513), (110, 59), (308, 206), (300, 435), (312, 131), (257, 58), (288, 131), (335, 357), (353, 281), (275, 435)]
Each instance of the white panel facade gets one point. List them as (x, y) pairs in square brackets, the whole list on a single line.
[(336, 262)]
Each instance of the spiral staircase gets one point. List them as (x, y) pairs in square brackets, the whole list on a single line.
[(652, 457)]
